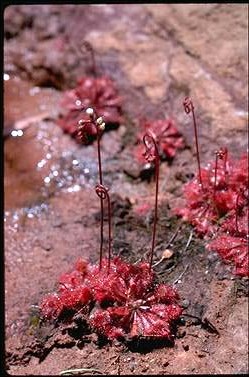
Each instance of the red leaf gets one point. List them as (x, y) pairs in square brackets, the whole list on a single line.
[(234, 250)]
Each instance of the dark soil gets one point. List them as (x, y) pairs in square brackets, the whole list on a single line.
[(157, 54)]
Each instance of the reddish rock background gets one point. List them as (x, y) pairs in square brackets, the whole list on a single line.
[(157, 54)]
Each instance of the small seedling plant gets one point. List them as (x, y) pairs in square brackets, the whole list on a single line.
[(119, 300), (216, 204)]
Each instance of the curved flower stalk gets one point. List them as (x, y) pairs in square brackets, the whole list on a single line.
[(207, 205), (189, 108), (138, 306)]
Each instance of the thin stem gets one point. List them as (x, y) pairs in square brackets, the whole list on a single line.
[(101, 202), (100, 126), (222, 155), (99, 157), (155, 215), (110, 231), (151, 154), (102, 193), (189, 107), (197, 148), (225, 165), (101, 233)]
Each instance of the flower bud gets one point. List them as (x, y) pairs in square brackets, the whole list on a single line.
[(99, 121), (89, 111), (102, 126)]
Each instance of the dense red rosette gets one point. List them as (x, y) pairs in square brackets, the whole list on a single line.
[(144, 308), (129, 301), (98, 93)]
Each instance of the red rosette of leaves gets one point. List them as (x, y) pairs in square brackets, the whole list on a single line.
[(98, 93), (166, 135), (130, 302), (142, 308)]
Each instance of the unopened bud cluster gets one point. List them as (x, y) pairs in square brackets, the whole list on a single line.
[(100, 123)]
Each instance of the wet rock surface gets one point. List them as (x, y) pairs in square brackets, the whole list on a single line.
[(157, 54)]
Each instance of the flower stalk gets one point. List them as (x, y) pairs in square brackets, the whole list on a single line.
[(189, 107), (152, 155), (99, 125), (103, 194)]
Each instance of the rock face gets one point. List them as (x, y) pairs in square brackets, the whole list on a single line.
[(157, 54)]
